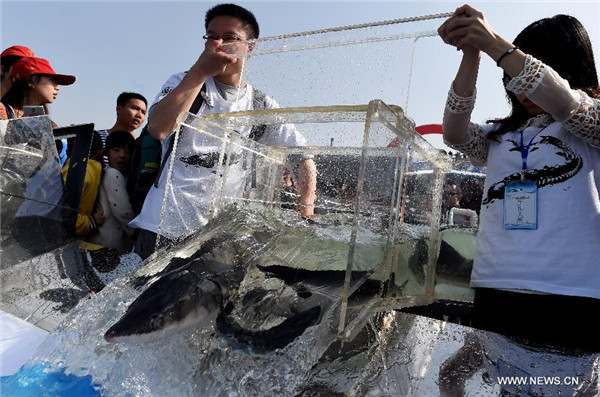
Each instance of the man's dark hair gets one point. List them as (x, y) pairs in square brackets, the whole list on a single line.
[(124, 97), (8, 60), (119, 138), (233, 10)]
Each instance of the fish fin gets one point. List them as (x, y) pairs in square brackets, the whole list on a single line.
[(139, 282), (273, 338), (302, 291)]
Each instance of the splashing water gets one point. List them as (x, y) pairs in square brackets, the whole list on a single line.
[(196, 362)]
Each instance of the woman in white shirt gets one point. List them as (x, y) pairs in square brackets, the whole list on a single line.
[(539, 238)]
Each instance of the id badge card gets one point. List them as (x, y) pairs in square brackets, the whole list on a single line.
[(520, 205)]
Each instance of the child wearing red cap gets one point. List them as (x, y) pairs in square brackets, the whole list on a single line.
[(34, 83), (8, 57)]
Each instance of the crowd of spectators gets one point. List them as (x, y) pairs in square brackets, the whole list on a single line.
[(29, 84)]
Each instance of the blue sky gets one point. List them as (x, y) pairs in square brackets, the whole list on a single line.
[(135, 46)]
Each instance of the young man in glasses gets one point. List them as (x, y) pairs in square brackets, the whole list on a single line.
[(219, 73)]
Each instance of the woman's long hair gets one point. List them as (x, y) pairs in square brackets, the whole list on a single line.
[(20, 93), (562, 43)]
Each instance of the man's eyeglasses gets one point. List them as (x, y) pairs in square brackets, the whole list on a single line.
[(227, 39)]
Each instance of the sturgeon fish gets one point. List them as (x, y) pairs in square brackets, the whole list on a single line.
[(199, 290)]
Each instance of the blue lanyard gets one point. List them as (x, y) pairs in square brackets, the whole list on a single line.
[(525, 149)]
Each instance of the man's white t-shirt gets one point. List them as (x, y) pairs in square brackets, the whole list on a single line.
[(192, 182)]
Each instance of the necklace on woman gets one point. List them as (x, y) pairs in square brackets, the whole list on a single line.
[(541, 121)]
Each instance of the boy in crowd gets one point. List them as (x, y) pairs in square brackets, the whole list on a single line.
[(451, 199), (131, 113), (113, 200)]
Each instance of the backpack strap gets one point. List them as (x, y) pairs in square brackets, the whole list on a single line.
[(10, 111), (193, 109), (6, 112), (135, 162), (198, 101), (259, 102), (3, 113)]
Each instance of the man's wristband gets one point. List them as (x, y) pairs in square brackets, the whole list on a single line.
[(508, 52)]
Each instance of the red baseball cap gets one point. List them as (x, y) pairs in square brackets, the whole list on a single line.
[(29, 66), (18, 51)]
